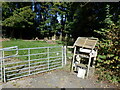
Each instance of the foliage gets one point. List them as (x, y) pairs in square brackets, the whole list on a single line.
[(51, 18), (109, 48), (20, 17)]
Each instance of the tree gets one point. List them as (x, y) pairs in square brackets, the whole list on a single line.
[(109, 48), (22, 18)]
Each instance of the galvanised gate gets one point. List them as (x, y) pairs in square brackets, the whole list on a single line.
[(16, 63)]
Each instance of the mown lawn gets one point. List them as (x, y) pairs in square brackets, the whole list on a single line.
[(29, 44), (26, 44), (38, 57)]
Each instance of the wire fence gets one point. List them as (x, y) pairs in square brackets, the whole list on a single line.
[(17, 63)]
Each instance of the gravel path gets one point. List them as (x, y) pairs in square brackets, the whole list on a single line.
[(55, 79)]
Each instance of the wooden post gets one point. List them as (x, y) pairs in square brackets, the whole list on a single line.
[(73, 59), (88, 68)]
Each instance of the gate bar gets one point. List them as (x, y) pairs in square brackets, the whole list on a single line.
[(29, 59)]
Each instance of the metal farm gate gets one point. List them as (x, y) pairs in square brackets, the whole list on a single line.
[(16, 63)]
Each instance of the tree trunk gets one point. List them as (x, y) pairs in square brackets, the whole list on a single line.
[(12, 33), (61, 36)]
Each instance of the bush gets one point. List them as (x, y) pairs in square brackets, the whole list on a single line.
[(109, 50)]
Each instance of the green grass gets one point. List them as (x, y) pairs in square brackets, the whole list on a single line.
[(30, 44), (26, 44)]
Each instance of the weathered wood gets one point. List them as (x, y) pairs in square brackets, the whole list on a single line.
[(86, 49), (73, 59), (70, 46), (86, 42)]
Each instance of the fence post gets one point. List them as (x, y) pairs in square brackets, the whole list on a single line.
[(17, 51), (29, 59), (3, 67), (62, 55), (48, 58), (65, 54)]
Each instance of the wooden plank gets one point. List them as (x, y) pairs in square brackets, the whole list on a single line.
[(80, 41), (70, 46), (86, 42)]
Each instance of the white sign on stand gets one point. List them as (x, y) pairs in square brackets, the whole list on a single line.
[(81, 73)]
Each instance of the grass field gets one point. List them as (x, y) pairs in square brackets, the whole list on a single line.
[(38, 57), (29, 44), (26, 44)]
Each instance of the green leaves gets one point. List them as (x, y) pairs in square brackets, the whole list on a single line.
[(109, 47), (19, 17), (102, 56), (110, 55)]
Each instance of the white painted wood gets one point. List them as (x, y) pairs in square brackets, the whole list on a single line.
[(81, 73), (86, 47)]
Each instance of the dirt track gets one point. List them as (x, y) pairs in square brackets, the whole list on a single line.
[(61, 78)]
